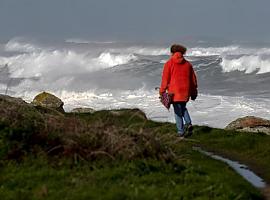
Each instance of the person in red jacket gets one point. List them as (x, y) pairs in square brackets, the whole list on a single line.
[(179, 79)]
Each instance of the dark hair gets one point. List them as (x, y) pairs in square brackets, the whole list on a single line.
[(178, 48)]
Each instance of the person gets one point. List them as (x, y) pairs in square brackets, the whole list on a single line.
[(179, 79)]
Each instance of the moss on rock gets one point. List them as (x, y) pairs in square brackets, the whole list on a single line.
[(48, 100)]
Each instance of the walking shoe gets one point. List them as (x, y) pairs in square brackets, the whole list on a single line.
[(189, 130), (180, 136)]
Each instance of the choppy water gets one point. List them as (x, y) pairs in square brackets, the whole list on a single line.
[(233, 79)]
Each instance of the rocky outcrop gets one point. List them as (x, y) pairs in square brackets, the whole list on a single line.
[(82, 110), (9, 99), (17, 113), (250, 124), (48, 100)]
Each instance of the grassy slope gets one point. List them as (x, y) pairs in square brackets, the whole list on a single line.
[(249, 148), (194, 178), (151, 174)]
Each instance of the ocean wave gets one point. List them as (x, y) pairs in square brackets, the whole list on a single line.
[(151, 51), (235, 58), (247, 64), (226, 50), (83, 41), (112, 60), (209, 110), (58, 63), (213, 51), (50, 63), (36, 62), (18, 45)]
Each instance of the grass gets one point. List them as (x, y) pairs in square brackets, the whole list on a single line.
[(194, 177), (249, 148), (117, 155)]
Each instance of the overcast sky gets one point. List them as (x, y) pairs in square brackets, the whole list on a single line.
[(136, 19)]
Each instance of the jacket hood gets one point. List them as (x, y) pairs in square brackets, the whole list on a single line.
[(177, 58)]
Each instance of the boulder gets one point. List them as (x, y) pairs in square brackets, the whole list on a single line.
[(250, 124), (48, 100), (82, 110), (15, 112)]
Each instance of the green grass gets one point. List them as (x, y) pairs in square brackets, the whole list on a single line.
[(192, 177), (122, 156), (250, 148)]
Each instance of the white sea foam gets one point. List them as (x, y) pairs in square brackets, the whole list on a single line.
[(247, 64), (210, 51), (152, 51), (226, 50), (235, 58), (17, 44), (211, 110), (51, 63), (59, 63), (84, 41), (58, 69), (111, 60)]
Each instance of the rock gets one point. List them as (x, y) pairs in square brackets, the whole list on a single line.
[(9, 99), (17, 113), (48, 100), (250, 124), (82, 110)]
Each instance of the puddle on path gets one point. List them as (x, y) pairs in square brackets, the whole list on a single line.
[(241, 169)]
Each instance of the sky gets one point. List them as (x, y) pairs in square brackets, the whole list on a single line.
[(136, 20)]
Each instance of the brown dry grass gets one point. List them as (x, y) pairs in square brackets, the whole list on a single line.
[(110, 134)]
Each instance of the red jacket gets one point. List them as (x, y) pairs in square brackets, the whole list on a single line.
[(179, 78)]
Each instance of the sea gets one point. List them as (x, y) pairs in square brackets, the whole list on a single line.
[(233, 78)]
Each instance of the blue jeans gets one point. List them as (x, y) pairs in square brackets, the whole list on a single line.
[(180, 112)]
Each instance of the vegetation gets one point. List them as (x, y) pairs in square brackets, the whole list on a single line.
[(115, 155), (249, 148)]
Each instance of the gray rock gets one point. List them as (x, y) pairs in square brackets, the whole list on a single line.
[(250, 124), (48, 100)]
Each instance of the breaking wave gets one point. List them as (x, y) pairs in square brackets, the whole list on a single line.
[(47, 63), (151, 51), (235, 58), (78, 75), (213, 51), (247, 64), (112, 59), (18, 45), (34, 61)]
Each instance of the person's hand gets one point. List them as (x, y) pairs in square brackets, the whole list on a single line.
[(160, 94), (193, 97)]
